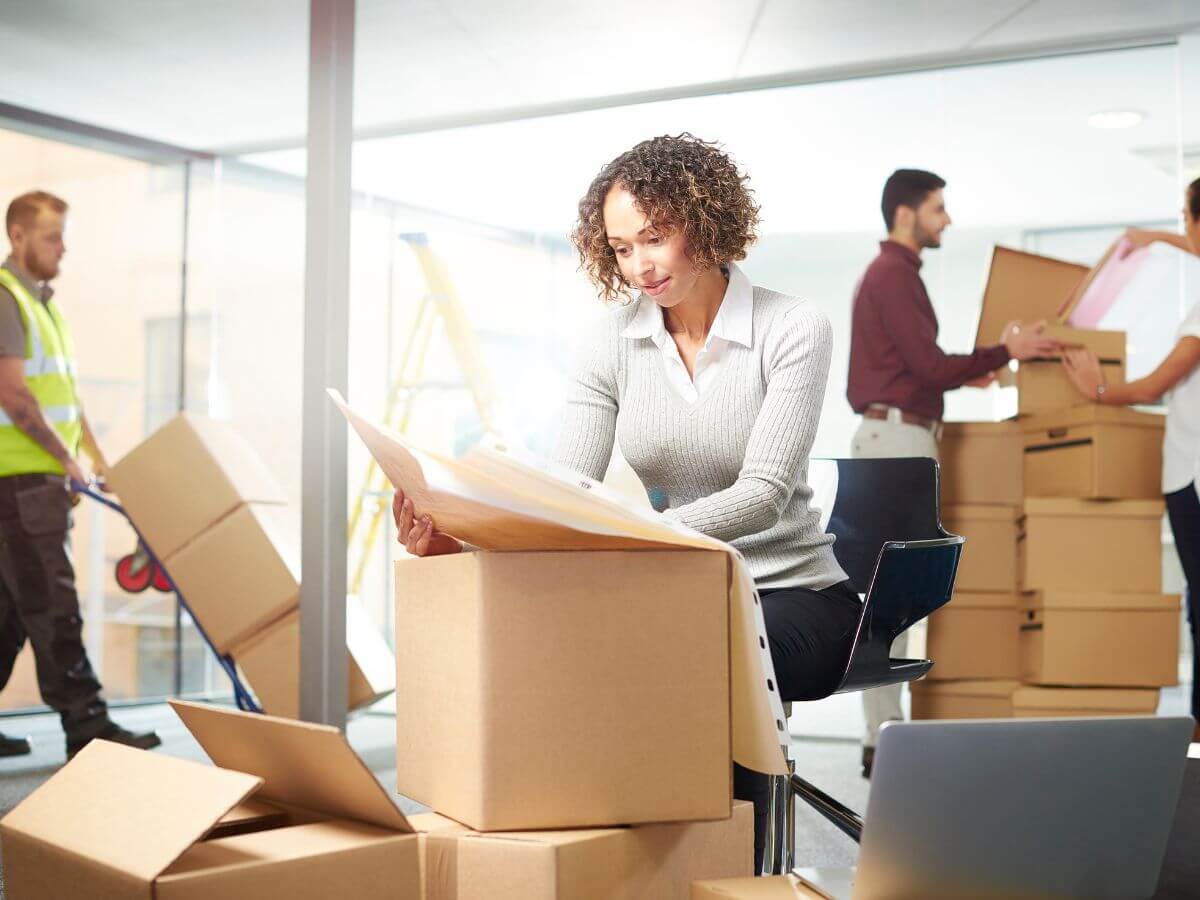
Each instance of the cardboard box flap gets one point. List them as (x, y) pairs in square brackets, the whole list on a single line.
[(302, 764), (969, 688), (1109, 346), (1109, 699), (1101, 600), (1092, 414), (997, 513), (1023, 286), (130, 811), (1070, 506)]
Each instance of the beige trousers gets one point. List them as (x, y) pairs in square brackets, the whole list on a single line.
[(874, 439)]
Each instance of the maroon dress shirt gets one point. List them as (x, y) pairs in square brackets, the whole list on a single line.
[(894, 356)]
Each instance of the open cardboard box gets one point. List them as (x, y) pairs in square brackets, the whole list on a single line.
[(564, 689), (187, 475), (1095, 452), (1100, 639), (118, 823), (1029, 288), (646, 861)]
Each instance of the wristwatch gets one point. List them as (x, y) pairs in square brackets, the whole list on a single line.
[(1100, 389)]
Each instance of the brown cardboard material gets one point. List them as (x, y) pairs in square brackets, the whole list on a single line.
[(1040, 702), (117, 823), (270, 661), (587, 688), (1025, 287), (659, 861), (974, 636), (1098, 546), (1043, 385), (186, 476), (1095, 452), (240, 575), (970, 699), (989, 555), (774, 887), (249, 815), (1094, 639), (981, 462)]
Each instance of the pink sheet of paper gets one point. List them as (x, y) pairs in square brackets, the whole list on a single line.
[(1106, 287)]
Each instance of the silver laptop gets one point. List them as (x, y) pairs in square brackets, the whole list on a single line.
[(1017, 808)]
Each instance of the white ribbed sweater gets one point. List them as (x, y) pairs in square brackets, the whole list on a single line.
[(735, 464)]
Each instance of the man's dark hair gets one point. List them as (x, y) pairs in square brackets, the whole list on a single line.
[(907, 187)]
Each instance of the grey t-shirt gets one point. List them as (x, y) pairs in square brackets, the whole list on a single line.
[(12, 328)]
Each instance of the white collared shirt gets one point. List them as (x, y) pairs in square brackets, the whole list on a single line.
[(733, 325)]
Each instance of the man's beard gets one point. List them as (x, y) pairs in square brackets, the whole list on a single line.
[(30, 265), (925, 239)]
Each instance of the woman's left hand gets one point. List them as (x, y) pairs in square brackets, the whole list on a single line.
[(1083, 368)]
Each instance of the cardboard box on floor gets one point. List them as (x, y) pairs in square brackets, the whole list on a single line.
[(659, 861), (270, 660), (968, 699), (1099, 639), (1087, 545), (118, 823), (982, 463), (187, 475), (1040, 702), (241, 574), (775, 887), (1094, 452), (989, 556), (564, 689), (974, 636)]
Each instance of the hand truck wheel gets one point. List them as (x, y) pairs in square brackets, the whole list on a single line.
[(133, 574)]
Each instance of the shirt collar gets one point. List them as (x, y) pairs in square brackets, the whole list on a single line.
[(40, 290), (734, 321), (899, 251)]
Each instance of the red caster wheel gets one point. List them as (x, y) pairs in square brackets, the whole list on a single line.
[(134, 573), (161, 582)]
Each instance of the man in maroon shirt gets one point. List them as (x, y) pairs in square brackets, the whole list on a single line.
[(898, 373)]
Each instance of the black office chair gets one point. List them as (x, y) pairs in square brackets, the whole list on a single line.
[(891, 544)]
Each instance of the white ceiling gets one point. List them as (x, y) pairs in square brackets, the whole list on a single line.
[(230, 73)]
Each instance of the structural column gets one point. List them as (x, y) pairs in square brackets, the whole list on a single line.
[(326, 336)]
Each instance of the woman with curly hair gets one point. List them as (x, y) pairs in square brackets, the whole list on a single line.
[(714, 388)]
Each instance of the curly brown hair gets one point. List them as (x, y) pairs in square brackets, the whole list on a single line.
[(678, 182)]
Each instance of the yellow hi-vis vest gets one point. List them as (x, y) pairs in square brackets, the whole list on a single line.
[(50, 376)]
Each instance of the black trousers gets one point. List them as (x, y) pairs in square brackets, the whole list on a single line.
[(809, 634), (1183, 511), (38, 601)]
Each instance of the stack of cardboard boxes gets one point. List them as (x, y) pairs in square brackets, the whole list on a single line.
[(542, 693), (211, 510), (1058, 608)]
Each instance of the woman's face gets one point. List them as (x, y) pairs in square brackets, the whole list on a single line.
[(656, 264), (1191, 226)]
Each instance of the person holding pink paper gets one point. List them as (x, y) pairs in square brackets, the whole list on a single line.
[(1177, 378)]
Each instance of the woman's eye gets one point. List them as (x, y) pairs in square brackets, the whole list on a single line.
[(654, 240), (622, 251)]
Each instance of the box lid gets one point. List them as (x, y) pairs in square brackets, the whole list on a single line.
[(1005, 429), (128, 810), (995, 513), (1101, 600), (969, 688), (1076, 507), (1109, 346), (1114, 699), (1023, 286), (1093, 414), (302, 764)]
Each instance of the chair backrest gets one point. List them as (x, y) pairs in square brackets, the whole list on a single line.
[(884, 514)]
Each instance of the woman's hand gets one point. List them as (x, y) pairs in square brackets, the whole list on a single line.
[(1083, 368), (1137, 239), (418, 534)]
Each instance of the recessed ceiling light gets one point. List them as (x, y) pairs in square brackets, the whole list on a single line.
[(1116, 118)]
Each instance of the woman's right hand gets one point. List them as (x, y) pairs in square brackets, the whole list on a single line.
[(418, 534)]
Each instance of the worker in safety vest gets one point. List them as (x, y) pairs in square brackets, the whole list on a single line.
[(41, 429)]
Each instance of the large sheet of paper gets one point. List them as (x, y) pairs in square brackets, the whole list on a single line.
[(500, 499)]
